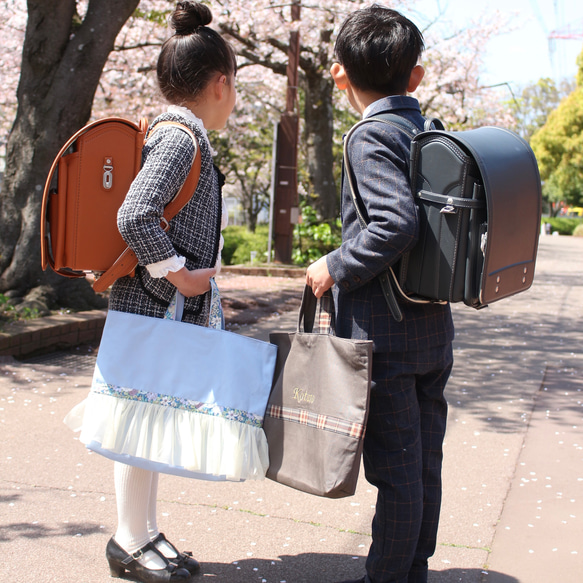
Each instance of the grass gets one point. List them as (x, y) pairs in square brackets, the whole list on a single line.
[(9, 313)]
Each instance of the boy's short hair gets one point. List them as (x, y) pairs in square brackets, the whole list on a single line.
[(378, 48)]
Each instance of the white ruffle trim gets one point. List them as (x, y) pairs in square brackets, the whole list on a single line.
[(170, 440), (162, 268)]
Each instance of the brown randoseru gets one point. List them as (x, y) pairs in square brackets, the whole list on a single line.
[(86, 185)]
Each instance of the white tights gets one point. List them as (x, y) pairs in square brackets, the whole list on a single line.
[(136, 491)]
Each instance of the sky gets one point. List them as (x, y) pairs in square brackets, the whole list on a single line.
[(521, 57)]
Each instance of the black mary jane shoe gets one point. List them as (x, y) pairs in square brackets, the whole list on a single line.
[(183, 559), (120, 562)]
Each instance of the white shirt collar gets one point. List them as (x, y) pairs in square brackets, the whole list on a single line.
[(186, 113)]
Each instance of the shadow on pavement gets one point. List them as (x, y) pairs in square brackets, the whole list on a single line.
[(500, 357), (302, 568), (37, 530), (324, 568), (467, 575)]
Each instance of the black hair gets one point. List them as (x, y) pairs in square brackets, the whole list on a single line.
[(193, 54), (378, 48)]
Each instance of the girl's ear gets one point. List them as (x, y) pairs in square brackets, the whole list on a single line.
[(220, 86), (416, 77), (339, 75)]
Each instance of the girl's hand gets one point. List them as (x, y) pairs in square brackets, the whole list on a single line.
[(191, 282)]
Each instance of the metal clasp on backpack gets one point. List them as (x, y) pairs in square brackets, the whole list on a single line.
[(449, 209), (108, 173)]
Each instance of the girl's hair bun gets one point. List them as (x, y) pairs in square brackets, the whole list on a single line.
[(192, 57), (190, 16)]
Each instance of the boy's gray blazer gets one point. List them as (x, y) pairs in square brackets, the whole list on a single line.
[(379, 158)]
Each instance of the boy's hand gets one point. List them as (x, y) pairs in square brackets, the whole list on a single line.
[(318, 277), (191, 282)]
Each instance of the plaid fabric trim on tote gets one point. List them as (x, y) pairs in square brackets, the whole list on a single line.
[(324, 323), (324, 422)]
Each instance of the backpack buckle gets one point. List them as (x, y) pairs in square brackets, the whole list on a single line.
[(448, 209), (108, 173)]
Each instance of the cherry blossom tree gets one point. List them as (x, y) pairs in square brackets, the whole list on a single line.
[(12, 26), (63, 54), (260, 30), (244, 155)]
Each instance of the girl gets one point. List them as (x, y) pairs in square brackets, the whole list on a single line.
[(196, 74)]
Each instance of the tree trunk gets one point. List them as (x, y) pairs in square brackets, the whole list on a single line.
[(62, 61), (319, 138), (251, 220)]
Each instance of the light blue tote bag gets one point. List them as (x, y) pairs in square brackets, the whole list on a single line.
[(178, 398)]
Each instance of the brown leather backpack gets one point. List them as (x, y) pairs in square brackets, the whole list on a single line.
[(86, 185)]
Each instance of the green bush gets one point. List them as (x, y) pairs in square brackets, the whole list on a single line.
[(313, 238), (578, 232), (240, 242), (563, 225)]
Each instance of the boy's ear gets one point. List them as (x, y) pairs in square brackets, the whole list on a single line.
[(339, 75), (416, 77)]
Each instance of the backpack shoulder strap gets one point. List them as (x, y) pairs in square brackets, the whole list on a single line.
[(187, 189), (406, 126), (127, 261), (387, 279), (399, 122)]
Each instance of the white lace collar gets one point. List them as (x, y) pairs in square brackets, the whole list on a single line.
[(185, 112)]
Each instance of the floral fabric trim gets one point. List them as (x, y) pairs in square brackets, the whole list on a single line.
[(182, 403), (216, 316), (171, 310)]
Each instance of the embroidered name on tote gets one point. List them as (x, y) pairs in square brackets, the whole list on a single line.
[(302, 396), (310, 419)]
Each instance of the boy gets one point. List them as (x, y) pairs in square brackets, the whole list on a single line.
[(377, 52)]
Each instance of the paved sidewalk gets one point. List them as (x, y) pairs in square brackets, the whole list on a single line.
[(513, 471)]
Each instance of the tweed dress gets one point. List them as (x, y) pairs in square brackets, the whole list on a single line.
[(194, 232), (177, 423)]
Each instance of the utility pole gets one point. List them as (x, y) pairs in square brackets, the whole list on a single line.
[(286, 212)]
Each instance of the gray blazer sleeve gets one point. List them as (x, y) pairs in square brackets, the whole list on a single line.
[(167, 158), (379, 157)]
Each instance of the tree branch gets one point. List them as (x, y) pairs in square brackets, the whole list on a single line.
[(143, 45)]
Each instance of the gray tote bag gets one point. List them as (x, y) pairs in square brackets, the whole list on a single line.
[(318, 407)]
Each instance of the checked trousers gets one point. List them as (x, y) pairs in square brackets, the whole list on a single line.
[(403, 459)]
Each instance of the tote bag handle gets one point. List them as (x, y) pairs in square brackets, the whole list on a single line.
[(316, 315)]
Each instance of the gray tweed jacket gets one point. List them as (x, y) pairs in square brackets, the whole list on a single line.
[(194, 232), (379, 156)]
